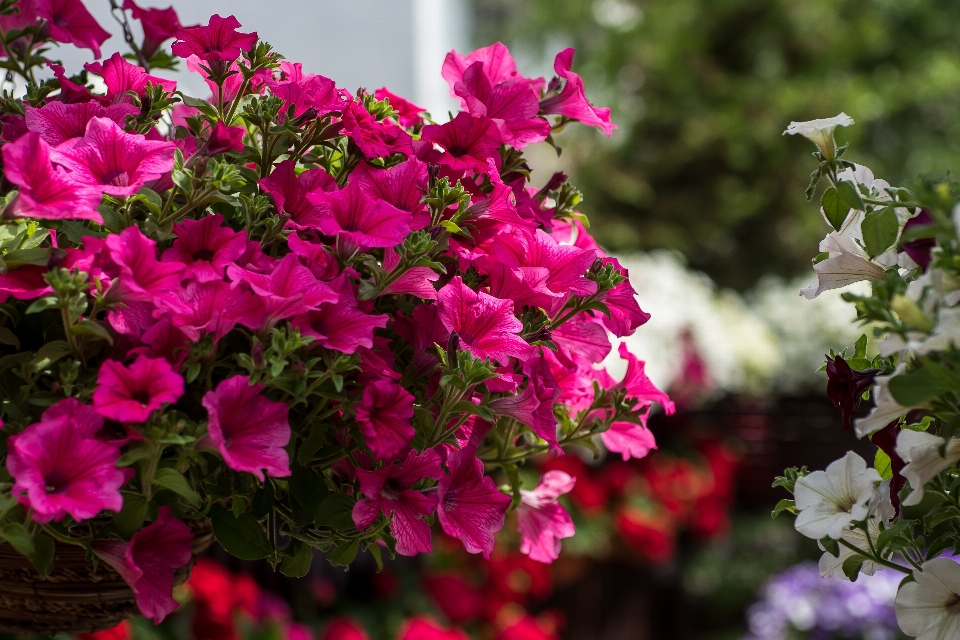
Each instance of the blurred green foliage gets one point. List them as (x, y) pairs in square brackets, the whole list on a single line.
[(702, 90)]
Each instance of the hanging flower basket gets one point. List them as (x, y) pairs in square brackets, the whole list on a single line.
[(74, 597)]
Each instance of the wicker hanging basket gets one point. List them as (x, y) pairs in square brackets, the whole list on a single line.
[(74, 598)]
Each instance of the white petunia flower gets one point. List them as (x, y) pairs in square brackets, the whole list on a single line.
[(885, 408), (847, 264), (921, 451), (832, 567), (830, 501), (929, 609), (820, 132)]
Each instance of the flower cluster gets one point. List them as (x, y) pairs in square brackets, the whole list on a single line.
[(901, 513), (316, 317)]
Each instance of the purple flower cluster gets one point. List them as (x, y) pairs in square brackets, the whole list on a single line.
[(798, 603)]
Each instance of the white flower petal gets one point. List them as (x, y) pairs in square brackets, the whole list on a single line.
[(921, 452), (927, 608), (829, 501)]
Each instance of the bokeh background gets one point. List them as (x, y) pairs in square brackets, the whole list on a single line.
[(702, 198)]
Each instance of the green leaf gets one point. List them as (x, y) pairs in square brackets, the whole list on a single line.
[(43, 548), (48, 354), (851, 567), (343, 555), (834, 208), (879, 228), (174, 480), (132, 456), (784, 505), (131, 516), (42, 304), (203, 106), (850, 195), (916, 387), (19, 538), (336, 512), (93, 328), (882, 463), (309, 490), (377, 554), (38, 257), (242, 536), (9, 337), (298, 564), (310, 446), (887, 535), (831, 546)]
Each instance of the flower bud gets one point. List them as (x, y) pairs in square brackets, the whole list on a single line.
[(911, 313), (820, 132)]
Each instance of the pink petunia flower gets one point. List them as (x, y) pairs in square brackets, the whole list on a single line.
[(512, 105), (131, 394), (385, 415), (625, 313), (533, 406), (467, 142), (341, 326), (60, 467), (24, 283), (142, 277), (114, 161), (629, 439), (541, 520), (638, 386), (408, 114), (401, 186), (344, 629), (422, 330), (486, 325), (388, 491), (417, 281), (248, 430), (120, 77), (581, 337), (213, 308), (497, 63), (470, 506), (315, 256), (159, 25), (425, 628), (571, 101), (206, 246), (148, 561), (290, 289), (70, 92), (45, 192), (289, 192), (305, 91), (359, 219), (219, 41), (58, 122), (69, 21), (565, 266), (375, 139), (223, 138)]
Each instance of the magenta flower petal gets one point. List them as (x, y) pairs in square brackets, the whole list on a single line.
[(206, 246), (364, 221), (58, 122), (114, 161), (148, 561), (401, 186), (375, 139), (625, 313), (219, 41), (214, 308), (471, 507), (417, 281), (248, 430), (543, 522), (289, 192), (45, 192), (143, 277), (408, 114), (60, 468), (512, 105), (385, 414), (486, 325), (69, 21), (629, 439), (223, 138), (572, 101), (638, 386), (159, 25), (305, 91), (566, 265), (120, 77), (131, 394), (497, 63), (467, 142), (291, 289), (387, 491)]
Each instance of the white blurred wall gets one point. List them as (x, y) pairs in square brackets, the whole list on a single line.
[(399, 44)]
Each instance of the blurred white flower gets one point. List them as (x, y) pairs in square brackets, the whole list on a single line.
[(921, 451), (830, 501), (929, 609)]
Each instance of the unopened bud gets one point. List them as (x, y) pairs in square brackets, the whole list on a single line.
[(911, 313)]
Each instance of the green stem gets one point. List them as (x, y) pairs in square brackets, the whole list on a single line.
[(878, 560)]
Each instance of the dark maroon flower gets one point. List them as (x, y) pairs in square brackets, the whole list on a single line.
[(886, 440), (845, 387), (919, 250)]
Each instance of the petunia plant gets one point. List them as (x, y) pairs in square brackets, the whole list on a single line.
[(903, 512), (316, 317)]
